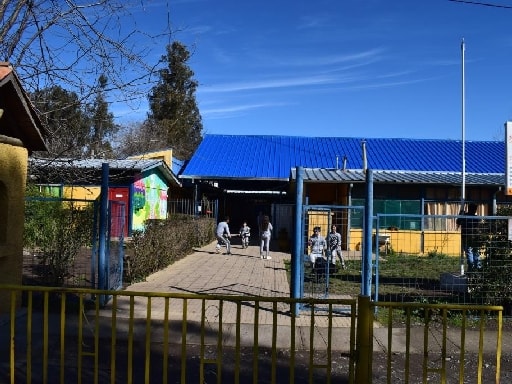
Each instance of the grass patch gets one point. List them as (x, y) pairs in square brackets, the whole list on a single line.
[(401, 277)]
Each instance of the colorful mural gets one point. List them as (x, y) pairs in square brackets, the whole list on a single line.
[(149, 200)]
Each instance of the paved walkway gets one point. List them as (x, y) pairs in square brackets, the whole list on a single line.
[(206, 272), (245, 273), (242, 273)]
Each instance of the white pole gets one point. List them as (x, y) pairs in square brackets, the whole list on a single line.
[(463, 186)]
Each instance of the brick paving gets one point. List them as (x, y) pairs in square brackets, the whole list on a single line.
[(243, 273)]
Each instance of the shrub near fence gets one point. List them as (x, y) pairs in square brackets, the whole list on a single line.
[(163, 242), (55, 231)]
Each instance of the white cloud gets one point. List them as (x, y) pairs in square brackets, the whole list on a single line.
[(229, 111)]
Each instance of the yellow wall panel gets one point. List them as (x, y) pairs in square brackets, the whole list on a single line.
[(13, 176)]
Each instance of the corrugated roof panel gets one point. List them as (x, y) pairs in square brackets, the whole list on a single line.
[(136, 165), (454, 178), (272, 157)]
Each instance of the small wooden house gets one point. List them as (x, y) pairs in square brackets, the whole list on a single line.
[(142, 184)]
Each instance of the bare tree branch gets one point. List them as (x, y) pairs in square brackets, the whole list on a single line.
[(71, 42)]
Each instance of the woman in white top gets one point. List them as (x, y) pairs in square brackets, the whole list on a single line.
[(265, 235)]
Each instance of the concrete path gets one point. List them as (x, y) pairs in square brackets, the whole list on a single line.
[(245, 273)]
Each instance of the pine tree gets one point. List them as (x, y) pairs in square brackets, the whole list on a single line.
[(173, 107), (102, 123), (66, 120)]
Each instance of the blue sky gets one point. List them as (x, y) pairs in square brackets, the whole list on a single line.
[(356, 68)]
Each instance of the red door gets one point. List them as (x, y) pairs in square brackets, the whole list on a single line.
[(119, 194)]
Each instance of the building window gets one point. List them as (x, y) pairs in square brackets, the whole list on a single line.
[(407, 209)]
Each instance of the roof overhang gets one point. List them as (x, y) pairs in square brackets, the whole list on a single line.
[(325, 175), (19, 119), (89, 170)]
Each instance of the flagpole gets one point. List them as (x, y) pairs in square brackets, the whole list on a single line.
[(463, 186)]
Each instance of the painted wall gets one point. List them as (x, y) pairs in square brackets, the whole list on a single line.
[(82, 192), (165, 155), (445, 242), (13, 176), (149, 199)]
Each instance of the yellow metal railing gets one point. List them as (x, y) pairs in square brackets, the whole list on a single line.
[(437, 333), (59, 335), (62, 335)]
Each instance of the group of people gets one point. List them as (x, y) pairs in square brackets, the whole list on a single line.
[(317, 243), (328, 249), (265, 234)]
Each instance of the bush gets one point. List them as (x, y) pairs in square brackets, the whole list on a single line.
[(493, 284), (55, 231), (165, 241)]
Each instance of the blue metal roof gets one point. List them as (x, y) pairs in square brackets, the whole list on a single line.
[(177, 165), (272, 157)]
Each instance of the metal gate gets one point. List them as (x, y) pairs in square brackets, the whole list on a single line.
[(322, 275), (111, 263)]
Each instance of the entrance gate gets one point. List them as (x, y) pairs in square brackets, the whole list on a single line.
[(112, 263), (317, 278)]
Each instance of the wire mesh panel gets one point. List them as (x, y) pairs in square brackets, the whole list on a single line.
[(208, 208), (57, 240), (331, 268), (446, 259), (115, 249), (111, 264)]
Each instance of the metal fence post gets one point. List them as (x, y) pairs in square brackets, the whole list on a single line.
[(297, 257), (363, 341)]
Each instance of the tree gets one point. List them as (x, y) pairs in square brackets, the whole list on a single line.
[(69, 44), (140, 138), (103, 127), (172, 103), (492, 285), (64, 116)]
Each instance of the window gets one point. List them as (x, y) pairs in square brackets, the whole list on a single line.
[(391, 207)]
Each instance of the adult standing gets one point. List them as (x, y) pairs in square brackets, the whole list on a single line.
[(469, 225), (316, 245), (265, 236), (334, 247), (223, 236)]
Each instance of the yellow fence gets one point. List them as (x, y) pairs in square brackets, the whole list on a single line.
[(63, 335), (438, 343)]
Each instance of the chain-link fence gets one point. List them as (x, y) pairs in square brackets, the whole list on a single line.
[(62, 247), (57, 242), (415, 258), (331, 268), (452, 259)]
